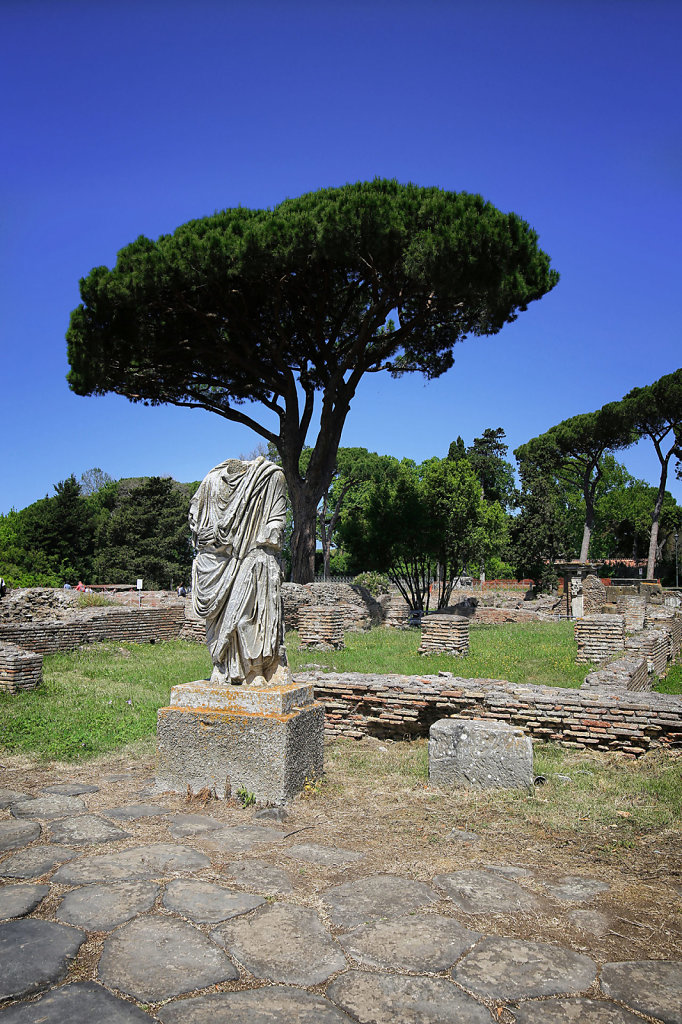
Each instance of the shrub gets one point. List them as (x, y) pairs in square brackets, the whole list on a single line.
[(375, 582), (94, 601)]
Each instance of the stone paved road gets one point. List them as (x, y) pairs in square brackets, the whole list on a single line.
[(136, 913)]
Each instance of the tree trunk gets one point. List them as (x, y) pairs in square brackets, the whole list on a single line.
[(589, 489), (303, 537), (585, 546), (653, 539)]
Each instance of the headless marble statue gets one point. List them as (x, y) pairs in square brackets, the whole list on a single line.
[(237, 518)]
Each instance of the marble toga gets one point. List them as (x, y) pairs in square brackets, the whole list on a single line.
[(237, 518)]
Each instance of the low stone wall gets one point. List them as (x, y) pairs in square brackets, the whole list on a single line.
[(624, 674), (19, 669), (395, 706), (143, 625), (599, 637), (633, 609), (445, 634), (668, 620), (652, 644), (360, 610), (398, 612), (487, 615)]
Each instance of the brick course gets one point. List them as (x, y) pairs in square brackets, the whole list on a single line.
[(144, 625), (395, 706), (19, 669)]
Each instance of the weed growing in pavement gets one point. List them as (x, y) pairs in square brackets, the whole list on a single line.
[(245, 798)]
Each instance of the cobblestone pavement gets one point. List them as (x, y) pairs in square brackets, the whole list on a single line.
[(122, 913)]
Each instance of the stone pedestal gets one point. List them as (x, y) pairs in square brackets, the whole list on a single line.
[(479, 754), (266, 740)]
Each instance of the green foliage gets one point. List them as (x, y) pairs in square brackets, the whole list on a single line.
[(245, 798), (146, 535), (539, 531), (271, 306), (375, 582), (573, 452), (94, 601), (495, 475), (50, 541), (417, 523), (656, 412)]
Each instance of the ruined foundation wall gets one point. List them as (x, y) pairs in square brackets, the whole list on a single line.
[(397, 707), (143, 625), (19, 669), (629, 673), (599, 637)]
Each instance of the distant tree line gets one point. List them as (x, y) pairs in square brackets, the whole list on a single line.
[(415, 523), (100, 531)]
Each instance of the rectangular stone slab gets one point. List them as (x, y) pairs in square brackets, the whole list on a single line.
[(269, 700), (269, 755)]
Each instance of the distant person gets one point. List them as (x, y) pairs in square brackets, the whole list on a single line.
[(3, 587), (81, 587), (181, 591), (67, 586)]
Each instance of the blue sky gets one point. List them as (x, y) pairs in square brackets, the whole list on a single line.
[(124, 118)]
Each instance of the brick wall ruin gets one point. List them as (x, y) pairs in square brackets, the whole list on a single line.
[(633, 610), (320, 627), (360, 610), (629, 673), (19, 669), (445, 634), (144, 625), (397, 707), (599, 637)]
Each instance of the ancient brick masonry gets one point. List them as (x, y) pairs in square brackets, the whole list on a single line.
[(630, 673), (652, 644), (599, 637), (406, 706), (320, 626), (594, 595), (666, 619), (444, 634), (19, 669), (633, 610), (143, 625), (360, 610)]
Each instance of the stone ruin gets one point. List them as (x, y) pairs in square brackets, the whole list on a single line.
[(671, 623), (653, 645), (445, 634), (19, 669), (359, 609), (627, 673), (637, 626), (633, 609), (320, 627), (599, 637), (594, 595)]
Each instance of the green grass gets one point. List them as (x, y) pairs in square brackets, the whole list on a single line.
[(582, 792), (672, 682), (97, 699), (518, 652), (102, 697)]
